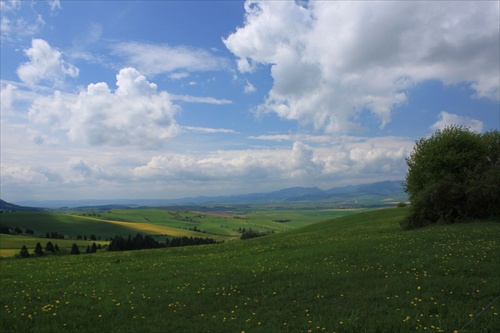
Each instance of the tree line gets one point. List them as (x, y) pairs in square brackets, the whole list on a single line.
[(140, 242), (51, 248)]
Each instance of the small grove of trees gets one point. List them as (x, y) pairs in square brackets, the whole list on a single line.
[(38, 251), (250, 233), (7, 230), (454, 175)]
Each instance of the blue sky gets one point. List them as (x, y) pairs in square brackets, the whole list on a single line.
[(166, 99)]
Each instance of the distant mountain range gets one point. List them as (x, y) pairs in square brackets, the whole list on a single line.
[(372, 194)]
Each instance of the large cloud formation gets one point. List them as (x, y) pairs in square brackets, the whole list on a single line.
[(135, 114), (330, 61), (302, 164)]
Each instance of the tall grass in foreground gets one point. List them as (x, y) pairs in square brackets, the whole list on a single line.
[(359, 273)]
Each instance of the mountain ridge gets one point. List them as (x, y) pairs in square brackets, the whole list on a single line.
[(351, 193)]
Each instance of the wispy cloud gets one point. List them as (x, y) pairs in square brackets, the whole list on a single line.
[(196, 99), (153, 59), (55, 5), (178, 75), (249, 88), (14, 27), (294, 137), (207, 130)]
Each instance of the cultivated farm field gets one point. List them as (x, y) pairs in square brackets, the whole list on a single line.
[(357, 273)]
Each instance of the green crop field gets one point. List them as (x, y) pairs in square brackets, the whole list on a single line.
[(10, 245), (357, 273)]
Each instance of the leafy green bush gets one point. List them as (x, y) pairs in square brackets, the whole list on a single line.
[(454, 175)]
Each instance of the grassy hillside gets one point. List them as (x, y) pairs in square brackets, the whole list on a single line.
[(65, 224), (359, 273)]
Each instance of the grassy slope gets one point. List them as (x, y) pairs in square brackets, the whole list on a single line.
[(359, 273), (65, 224)]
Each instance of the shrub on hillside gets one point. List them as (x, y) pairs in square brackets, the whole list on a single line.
[(453, 176)]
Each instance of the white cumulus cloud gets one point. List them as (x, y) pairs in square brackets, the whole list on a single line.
[(449, 119), (331, 60), (45, 65), (134, 114)]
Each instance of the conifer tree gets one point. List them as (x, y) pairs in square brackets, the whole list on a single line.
[(38, 249), (75, 249), (24, 252), (49, 247)]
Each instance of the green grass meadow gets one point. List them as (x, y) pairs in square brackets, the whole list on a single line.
[(357, 273)]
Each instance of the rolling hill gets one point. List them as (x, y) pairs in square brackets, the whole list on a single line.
[(358, 273), (8, 207)]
